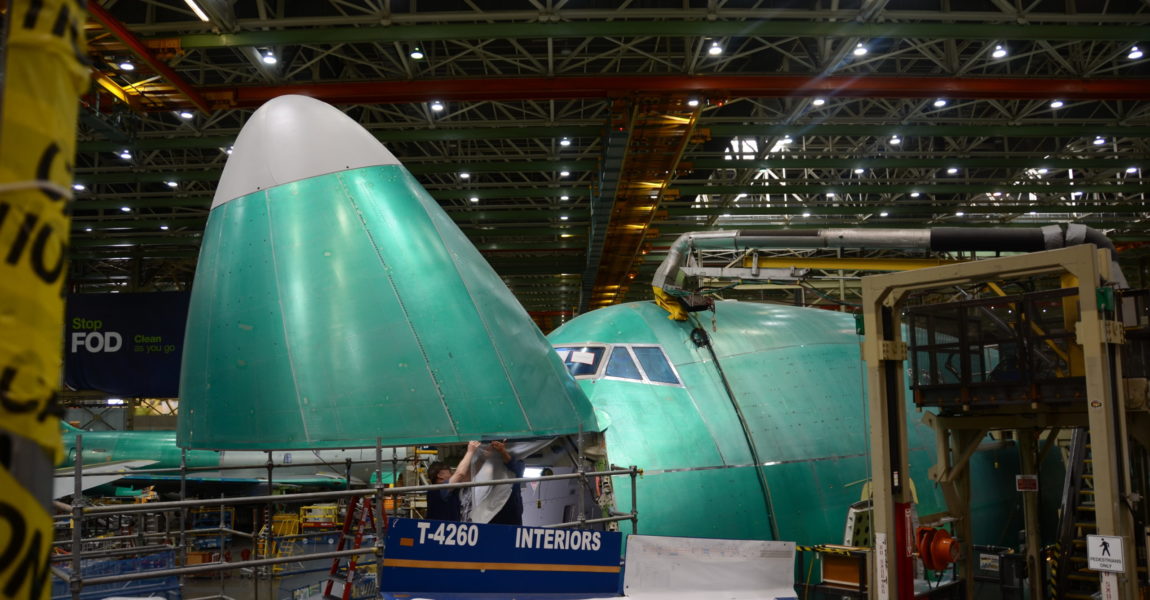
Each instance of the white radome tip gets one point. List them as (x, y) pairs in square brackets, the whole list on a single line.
[(292, 138)]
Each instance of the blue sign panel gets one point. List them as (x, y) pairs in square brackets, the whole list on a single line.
[(446, 557), (125, 344)]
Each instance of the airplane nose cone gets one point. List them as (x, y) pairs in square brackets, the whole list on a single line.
[(336, 303), (292, 138)]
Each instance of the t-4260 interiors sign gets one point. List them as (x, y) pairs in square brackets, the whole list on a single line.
[(447, 557)]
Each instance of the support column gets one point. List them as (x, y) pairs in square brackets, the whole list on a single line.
[(1029, 466), (1099, 333), (884, 351)]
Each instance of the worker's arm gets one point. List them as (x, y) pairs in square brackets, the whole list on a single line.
[(463, 471), (501, 448)]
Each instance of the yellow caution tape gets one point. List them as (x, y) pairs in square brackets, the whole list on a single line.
[(44, 74), (25, 542)]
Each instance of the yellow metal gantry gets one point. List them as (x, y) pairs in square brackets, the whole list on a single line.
[(884, 350)]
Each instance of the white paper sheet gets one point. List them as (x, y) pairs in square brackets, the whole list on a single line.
[(693, 568)]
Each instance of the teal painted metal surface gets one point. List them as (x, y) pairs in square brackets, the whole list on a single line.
[(799, 380), (111, 446), (345, 307)]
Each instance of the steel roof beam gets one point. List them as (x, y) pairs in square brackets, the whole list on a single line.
[(674, 230), (940, 130), (800, 162), (716, 129), (117, 29), (158, 175), (385, 136), (1036, 187), (549, 88), (700, 15), (896, 209), (680, 27)]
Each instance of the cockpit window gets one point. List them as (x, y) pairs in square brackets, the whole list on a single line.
[(581, 360), (621, 365), (655, 364), (643, 364)]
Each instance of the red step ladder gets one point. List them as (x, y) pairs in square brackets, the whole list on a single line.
[(360, 517)]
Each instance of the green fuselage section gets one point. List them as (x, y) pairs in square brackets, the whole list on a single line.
[(798, 416)]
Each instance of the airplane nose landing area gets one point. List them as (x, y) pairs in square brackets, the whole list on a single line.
[(346, 305)]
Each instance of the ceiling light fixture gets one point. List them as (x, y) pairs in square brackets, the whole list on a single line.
[(163, 227), (860, 171), (126, 154), (959, 213), (475, 199), (172, 184), (915, 194), (806, 214), (79, 187), (952, 171), (562, 217), (819, 101), (186, 114), (940, 102), (564, 142), (715, 49), (228, 150), (196, 9), (883, 214), (269, 57), (860, 50), (88, 229), (1098, 141), (693, 102), (1042, 171), (1057, 104), (127, 66), (125, 209), (416, 53), (564, 173), (895, 140), (564, 198), (999, 52), (830, 194), (1135, 53), (436, 106), (465, 175), (1131, 170)]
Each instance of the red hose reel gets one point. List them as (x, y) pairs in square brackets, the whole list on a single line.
[(936, 547)]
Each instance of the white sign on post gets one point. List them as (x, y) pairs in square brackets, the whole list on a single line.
[(1104, 553)]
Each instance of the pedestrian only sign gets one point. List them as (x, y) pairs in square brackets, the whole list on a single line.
[(1104, 553)]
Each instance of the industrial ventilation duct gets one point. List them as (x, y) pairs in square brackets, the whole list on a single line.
[(669, 276)]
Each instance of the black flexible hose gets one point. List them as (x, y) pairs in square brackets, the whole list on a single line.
[(701, 339)]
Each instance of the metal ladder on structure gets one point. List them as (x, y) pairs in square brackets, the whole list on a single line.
[(283, 540), (342, 579), (1069, 577)]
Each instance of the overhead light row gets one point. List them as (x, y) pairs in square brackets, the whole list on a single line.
[(937, 103), (1000, 51)]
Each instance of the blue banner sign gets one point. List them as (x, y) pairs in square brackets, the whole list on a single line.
[(447, 557), (125, 344)]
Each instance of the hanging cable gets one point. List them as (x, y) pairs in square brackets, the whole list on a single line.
[(700, 338)]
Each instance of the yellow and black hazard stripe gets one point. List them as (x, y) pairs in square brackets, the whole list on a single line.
[(1052, 569), (44, 75)]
